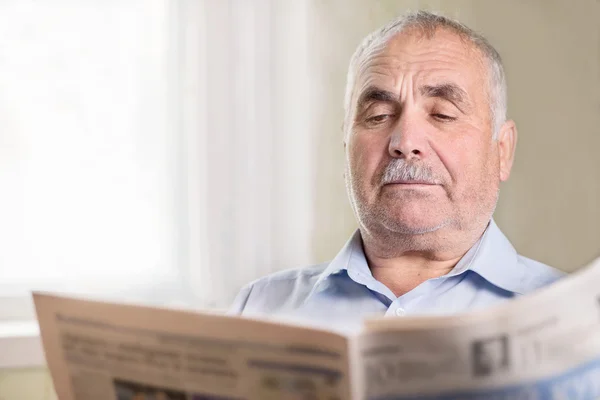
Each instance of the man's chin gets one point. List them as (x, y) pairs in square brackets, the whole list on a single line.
[(413, 226)]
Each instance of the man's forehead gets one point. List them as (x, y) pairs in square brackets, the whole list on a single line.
[(434, 59), (442, 40)]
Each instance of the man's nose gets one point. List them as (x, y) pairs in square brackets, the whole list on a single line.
[(408, 139)]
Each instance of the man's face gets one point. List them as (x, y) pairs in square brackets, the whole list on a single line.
[(420, 152)]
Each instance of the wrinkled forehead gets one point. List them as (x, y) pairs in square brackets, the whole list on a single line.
[(442, 57)]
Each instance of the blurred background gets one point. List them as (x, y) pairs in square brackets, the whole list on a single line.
[(168, 152)]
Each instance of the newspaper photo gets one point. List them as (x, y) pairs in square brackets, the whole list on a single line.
[(542, 346)]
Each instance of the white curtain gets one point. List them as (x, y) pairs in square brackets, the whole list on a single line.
[(249, 137), (157, 150)]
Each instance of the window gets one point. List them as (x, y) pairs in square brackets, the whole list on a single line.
[(88, 150)]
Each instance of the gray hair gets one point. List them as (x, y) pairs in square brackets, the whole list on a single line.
[(427, 23)]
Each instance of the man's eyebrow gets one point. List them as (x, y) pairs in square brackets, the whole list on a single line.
[(375, 94), (447, 91)]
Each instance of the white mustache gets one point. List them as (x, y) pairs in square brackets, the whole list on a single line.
[(399, 170)]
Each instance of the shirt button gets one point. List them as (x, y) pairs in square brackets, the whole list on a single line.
[(400, 312)]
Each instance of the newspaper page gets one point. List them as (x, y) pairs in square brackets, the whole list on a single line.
[(543, 346), (102, 351)]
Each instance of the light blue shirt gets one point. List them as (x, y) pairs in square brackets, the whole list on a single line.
[(340, 294)]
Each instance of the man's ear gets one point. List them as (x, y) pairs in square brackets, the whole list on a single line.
[(507, 143)]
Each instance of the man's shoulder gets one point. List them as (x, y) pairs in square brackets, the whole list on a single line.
[(278, 290), (290, 276), (537, 274)]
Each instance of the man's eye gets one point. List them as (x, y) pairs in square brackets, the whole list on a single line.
[(378, 119), (443, 117)]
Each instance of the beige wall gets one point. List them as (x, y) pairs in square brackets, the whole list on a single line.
[(26, 384), (550, 208)]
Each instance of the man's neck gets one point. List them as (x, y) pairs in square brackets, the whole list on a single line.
[(402, 264), (403, 274)]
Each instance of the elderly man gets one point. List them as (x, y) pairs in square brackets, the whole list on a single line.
[(427, 144)]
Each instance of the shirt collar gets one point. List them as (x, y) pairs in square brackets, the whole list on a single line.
[(497, 262), (352, 250), (492, 257)]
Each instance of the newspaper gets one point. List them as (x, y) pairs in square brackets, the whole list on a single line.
[(542, 346)]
